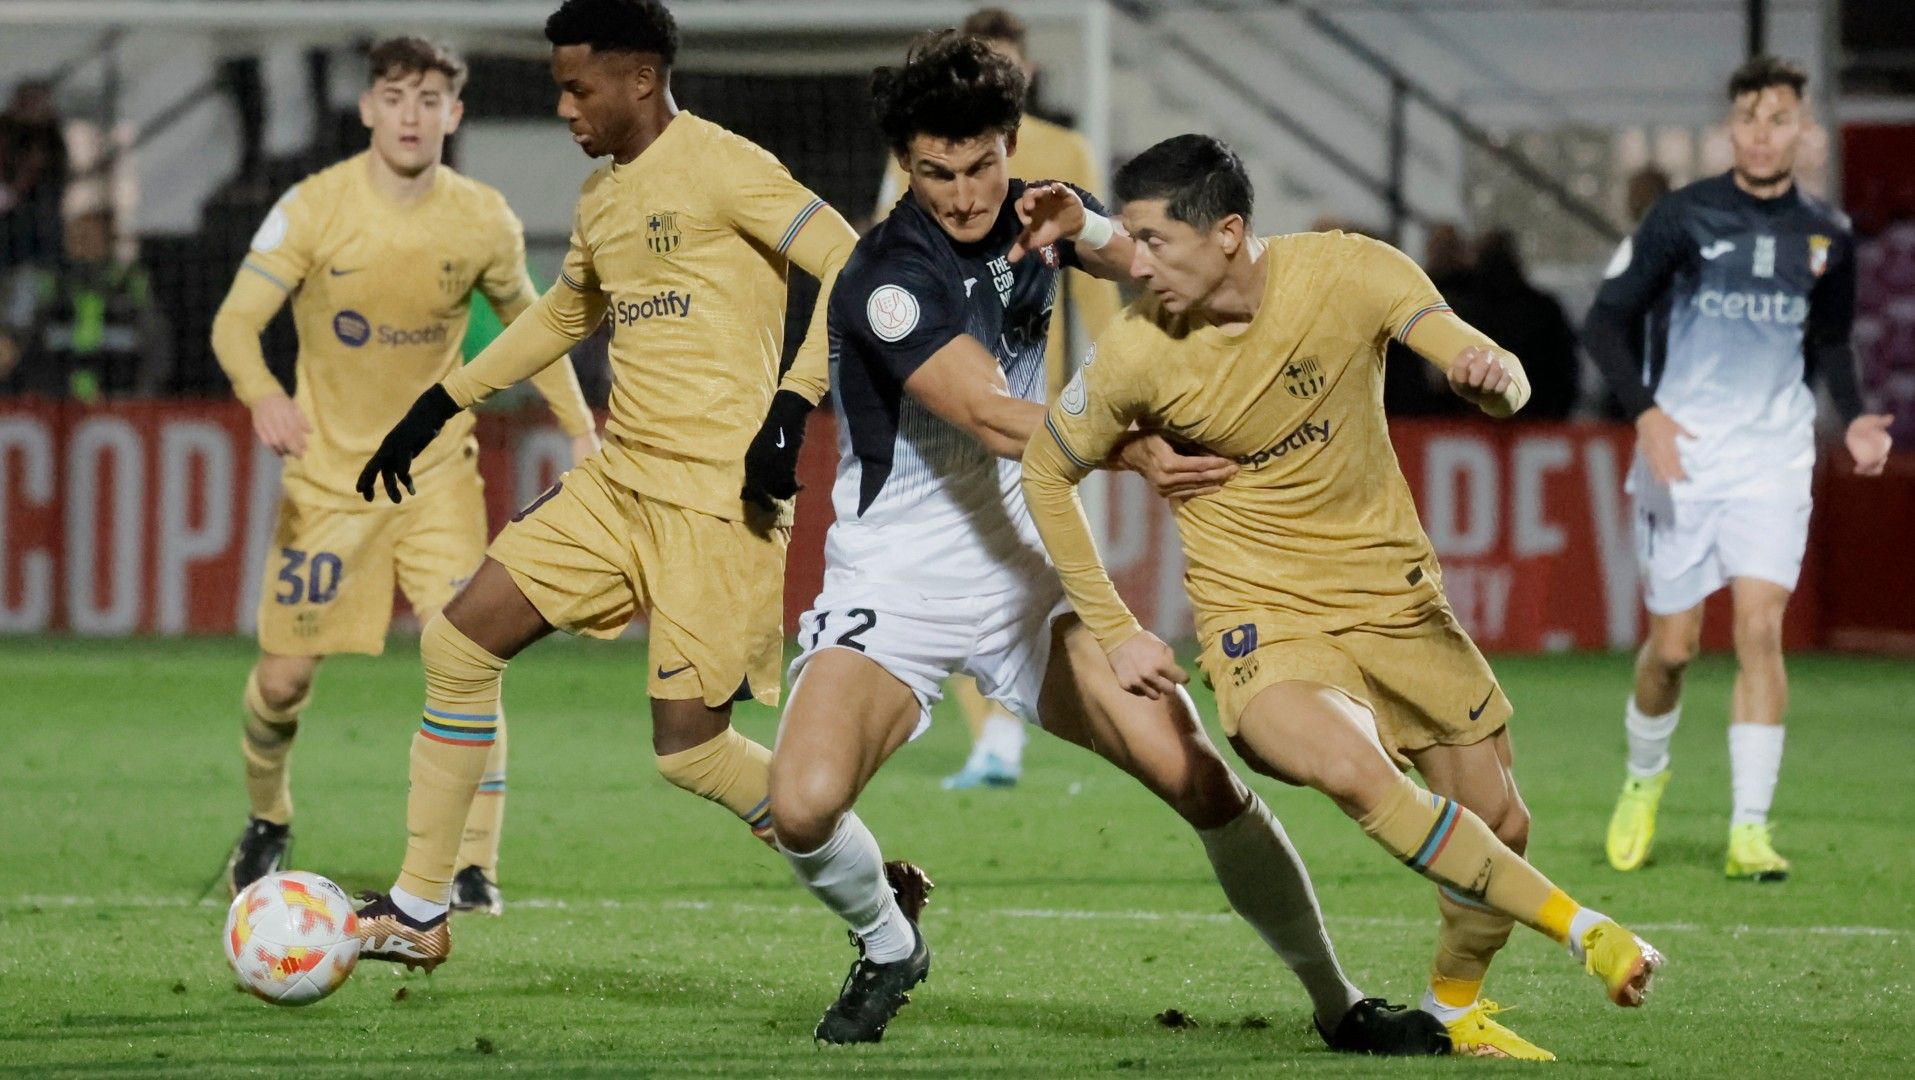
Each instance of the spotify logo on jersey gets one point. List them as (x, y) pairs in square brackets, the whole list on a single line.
[(351, 328)]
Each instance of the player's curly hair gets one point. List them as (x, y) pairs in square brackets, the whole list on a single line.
[(951, 86), (636, 26), (1200, 178), (1761, 72)]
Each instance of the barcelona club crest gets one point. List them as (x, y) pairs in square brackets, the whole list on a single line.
[(1818, 254), (661, 232), (1303, 378), (452, 278)]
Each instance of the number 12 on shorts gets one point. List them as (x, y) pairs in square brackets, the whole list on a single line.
[(851, 625)]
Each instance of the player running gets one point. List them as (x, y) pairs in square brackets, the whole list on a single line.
[(380, 255), (1335, 657), (683, 241), (1757, 277), (1084, 304), (937, 328)]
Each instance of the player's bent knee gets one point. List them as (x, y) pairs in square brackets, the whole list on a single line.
[(1759, 630), (455, 666), (283, 688), (1673, 654), (805, 810), (1513, 828)]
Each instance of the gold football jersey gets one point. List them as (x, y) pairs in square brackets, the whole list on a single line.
[(380, 294), (685, 251), (1317, 530)]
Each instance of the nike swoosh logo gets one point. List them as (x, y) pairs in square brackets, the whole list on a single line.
[(781, 438), (1477, 712), (336, 272), (663, 674), (1717, 249)]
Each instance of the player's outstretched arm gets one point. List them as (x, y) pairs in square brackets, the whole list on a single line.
[(1478, 371), (1407, 307), (1143, 664), (511, 295), (392, 462), (560, 319), (1055, 213), (509, 289), (963, 384)]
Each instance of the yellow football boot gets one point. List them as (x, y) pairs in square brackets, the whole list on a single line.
[(1633, 825), (1477, 1033), (1624, 962), (1752, 857)]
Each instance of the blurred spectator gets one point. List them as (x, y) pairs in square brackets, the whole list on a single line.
[(33, 165), (1645, 186), (1499, 299), (85, 327), (1412, 386), (1447, 257)]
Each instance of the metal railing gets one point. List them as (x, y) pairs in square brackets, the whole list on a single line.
[(1389, 185)]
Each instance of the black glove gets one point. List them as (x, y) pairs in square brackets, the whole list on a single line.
[(771, 463), (407, 439)]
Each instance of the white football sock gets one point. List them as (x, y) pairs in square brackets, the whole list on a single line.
[(1649, 738), (847, 873), (1449, 1014), (1755, 759), (1266, 882), (1003, 737), (416, 908)]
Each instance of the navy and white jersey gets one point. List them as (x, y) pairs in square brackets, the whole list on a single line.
[(1750, 287), (917, 499)]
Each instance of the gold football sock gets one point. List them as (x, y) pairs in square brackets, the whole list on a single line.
[(449, 754), (267, 743), (1451, 846), (1469, 937), (480, 845), (731, 771)]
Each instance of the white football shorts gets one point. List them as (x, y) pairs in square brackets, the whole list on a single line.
[(1687, 549), (1001, 638)]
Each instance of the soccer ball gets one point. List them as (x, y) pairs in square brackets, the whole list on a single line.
[(290, 938)]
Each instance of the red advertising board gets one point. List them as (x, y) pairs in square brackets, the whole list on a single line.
[(153, 518)]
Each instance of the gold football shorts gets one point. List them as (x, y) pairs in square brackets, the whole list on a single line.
[(327, 583), (591, 555), (1417, 672)]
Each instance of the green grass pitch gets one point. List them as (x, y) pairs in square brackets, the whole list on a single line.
[(647, 934)]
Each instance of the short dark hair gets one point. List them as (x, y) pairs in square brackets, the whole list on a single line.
[(633, 26), (951, 86), (1761, 72), (996, 24), (1200, 178), (403, 56)]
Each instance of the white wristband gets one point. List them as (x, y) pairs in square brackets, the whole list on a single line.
[(1097, 231)]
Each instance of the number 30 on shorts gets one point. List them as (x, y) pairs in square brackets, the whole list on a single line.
[(318, 583), (851, 626)]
